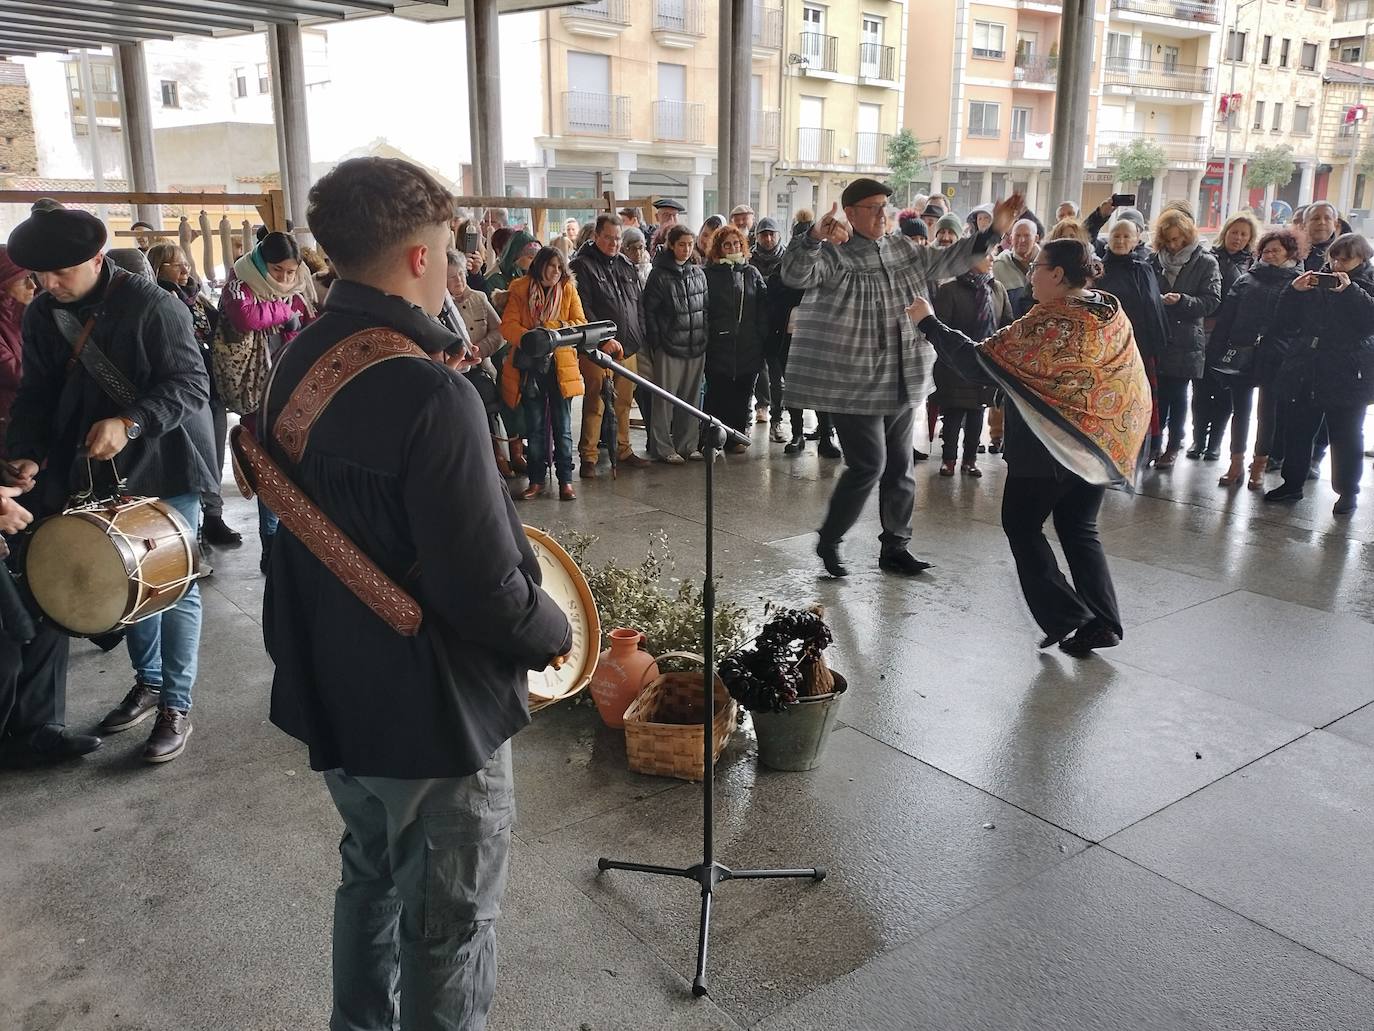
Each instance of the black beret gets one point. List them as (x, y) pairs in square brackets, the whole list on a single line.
[(862, 189), (668, 202), (50, 240)]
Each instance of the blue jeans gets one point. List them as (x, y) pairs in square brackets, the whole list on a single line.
[(267, 522), (424, 870), (559, 415), (165, 649)]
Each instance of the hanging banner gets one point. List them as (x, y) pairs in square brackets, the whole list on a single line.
[(1037, 145)]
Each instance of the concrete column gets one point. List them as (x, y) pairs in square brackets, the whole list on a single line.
[(696, 200), (1194, 192), (484, 97), (138, 124), (1308, 171), (725, 139), (741, 64), (292, 121), (986, 191), (1237, 183), (937, 185), (1158, 200), (1269, 192), (1071, 98), (538, 182), (1033, 191)]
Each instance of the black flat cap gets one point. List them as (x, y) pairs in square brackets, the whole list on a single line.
[(60, 238), (668, 202), (862, 189)]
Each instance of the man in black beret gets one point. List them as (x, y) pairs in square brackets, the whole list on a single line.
[(137, 403), (666, 212)]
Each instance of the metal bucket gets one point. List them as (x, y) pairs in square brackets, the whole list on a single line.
[(795, 739)]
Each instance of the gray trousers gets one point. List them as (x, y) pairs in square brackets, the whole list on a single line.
[(674, 431), (877, 450), (424, 870), (211, 501)]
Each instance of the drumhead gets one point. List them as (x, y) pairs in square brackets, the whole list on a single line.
[(77, 575), (564, 582)]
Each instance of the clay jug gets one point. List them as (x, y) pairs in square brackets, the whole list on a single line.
[(621, 673)]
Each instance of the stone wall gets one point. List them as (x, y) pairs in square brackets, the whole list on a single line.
[(18, 150)]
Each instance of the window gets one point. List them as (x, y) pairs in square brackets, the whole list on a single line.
[(1020, 122), (1308, 61), (1171, 55), (1264, 49), (1302, 120), (264, 79), (1259, 119), (1351, 54), (1278, 118), (1118, 50), (1235, 46), (989, 40), (982, 119), (169, 94), (240, 82), (1284, 47), (1353, 10)]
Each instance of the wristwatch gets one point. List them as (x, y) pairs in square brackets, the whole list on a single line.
[(132, 430)]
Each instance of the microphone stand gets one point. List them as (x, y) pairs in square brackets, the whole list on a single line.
[(707, 873)]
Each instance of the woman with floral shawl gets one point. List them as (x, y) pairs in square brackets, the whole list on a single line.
[(1077, 417)]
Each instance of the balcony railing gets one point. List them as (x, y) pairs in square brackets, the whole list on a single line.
[(1181, 10), (1176, 148), (821, 51), (680, 16), (1036, 69), (763, 129), (816, 146), (596, 114), (877, 61), (679, 122), (615, 11), (767, 26), (1156, 75), (870, 148)]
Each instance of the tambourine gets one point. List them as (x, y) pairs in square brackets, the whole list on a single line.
[(564, 582)]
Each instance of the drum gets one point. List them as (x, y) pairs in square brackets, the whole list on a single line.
[(564, 582), (102, 566)]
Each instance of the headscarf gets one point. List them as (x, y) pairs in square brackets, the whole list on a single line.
[(517, 243), (251, 270), (1073, 371), (1172, 264), (544, 301), (981, 285)]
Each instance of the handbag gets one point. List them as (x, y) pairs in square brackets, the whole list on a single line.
[(241, 364), (1237, 359)]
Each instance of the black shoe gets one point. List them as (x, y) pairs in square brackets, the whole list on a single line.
[(1194, 452), (995, 448), (1088, 639), (795, 446), (50, 744), (265, 561), (1211, 456), (215, 531), (903, 563), (1345, 505), (830, 556), (1050, 640), (170, 734), (138, 705), (827, 448), (1284, 492), (918, 455)]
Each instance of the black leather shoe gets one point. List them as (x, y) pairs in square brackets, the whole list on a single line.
[(1050, 640), (827, 448), (216, 532), (917, 455), (1088, 639), (1345, 505), (830, 556), (44, 746), (795, 446), (1211, 456), (170, 734), (903, 563), (138, 705), (1284, 492)]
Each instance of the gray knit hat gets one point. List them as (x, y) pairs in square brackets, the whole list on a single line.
[(950, 222)]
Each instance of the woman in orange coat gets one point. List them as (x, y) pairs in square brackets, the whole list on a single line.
[(544, 388)]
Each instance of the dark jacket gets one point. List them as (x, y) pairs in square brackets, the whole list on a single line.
[(204, 319), (1231, 266), (11, 357), (146, 333), (1131, 280), (782, 300), (1245, 318), (736, 320), (675, 307), (401, 462), (767, 262), (1327, 344), (610, 290), (1199, 287), (1316, 256), (956, 305)]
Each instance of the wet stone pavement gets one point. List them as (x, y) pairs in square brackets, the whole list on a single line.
[(1173, 835)]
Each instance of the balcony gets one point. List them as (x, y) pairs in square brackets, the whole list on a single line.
[(1033, 70), (870, 148), (1205, 14), (1128, 74), (767, 31), (820, 53), (596, 114), (816, 146), (678, 24), (763, 130), (604, 19), (676, 121), (1177, 149), (877, 65)]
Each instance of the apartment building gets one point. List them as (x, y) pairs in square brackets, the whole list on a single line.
[(631, 100), (1344, 137), (1352, 25), (1274, 56), (841, 97)]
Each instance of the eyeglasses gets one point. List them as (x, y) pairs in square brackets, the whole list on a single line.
[(872, 209), (175, 264)]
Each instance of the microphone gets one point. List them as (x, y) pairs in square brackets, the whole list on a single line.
[(539, 343)]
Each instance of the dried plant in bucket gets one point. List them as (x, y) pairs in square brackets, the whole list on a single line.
[(784, 662)]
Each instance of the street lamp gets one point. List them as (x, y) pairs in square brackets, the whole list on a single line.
[(1230, 112)]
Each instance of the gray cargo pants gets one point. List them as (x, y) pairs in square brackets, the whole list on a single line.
[(424, 870)]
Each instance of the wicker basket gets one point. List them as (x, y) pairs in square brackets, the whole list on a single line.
[(663, 725)]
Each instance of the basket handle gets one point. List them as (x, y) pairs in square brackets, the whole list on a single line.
[(669, 655)]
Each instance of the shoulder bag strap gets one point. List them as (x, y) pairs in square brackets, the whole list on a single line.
[(106, 374)]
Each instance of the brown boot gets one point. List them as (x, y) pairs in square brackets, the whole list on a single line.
[(517, 455), (1257, 470), (170, 734), (1235, 474)]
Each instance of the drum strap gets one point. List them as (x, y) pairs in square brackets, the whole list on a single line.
[(91, 358)]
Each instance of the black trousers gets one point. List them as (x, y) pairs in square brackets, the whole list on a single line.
[(970, 420), (33, 682), (728, 400), (1211, 408), (1345, 427), (1173, 408), (1242, 405), (1058, 608)]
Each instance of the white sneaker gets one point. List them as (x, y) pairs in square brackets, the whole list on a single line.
[(696, 456), (674, 459)]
